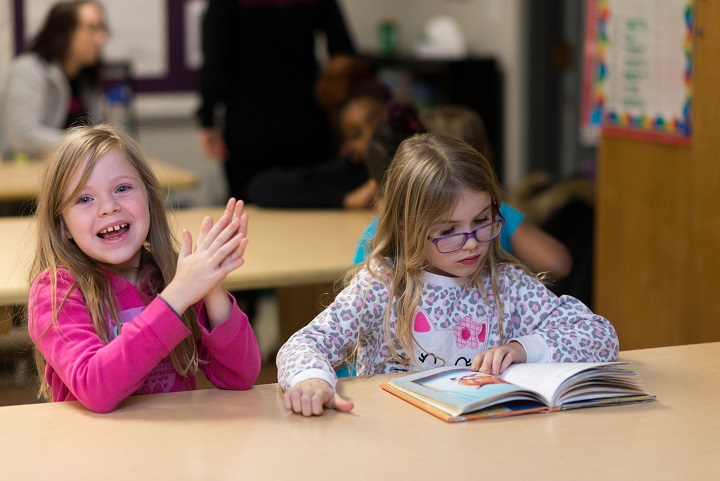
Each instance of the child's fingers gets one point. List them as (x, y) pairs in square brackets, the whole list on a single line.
[(239, 206), (186, 247), (234, 256), (310, 397), (476, 362), (305, 402), (506, 362), (210, 232), (225, 241), (497, 360), (229, 212), (486, 361), (244, 224), (219, 235), (340, 403), (205, 227)]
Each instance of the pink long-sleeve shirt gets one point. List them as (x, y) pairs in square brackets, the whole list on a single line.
[(80, 366)]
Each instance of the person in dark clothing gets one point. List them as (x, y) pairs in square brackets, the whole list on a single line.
[(259, 64), (341, 183)]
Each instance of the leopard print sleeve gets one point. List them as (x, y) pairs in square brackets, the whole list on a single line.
[(355, 316), (572, 332)]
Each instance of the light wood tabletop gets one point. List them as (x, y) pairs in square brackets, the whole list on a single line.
[(21, 181), (286, 247), (224, 435)]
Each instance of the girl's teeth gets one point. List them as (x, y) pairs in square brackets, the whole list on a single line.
[(110, 229)]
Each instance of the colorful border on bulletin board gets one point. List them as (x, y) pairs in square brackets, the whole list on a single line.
[(621, 123)]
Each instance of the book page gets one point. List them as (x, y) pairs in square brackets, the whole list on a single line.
[(545, 378), (457, 389)]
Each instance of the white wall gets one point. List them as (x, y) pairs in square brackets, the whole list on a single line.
[(491, 27), (6, 39), (168, 129)]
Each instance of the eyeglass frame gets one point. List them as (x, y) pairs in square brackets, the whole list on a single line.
[(94, 28), (499, 220)]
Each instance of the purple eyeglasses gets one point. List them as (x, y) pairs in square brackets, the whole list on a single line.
[(453, 242)]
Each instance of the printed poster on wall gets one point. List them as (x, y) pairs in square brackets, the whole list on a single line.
[(638, 71)]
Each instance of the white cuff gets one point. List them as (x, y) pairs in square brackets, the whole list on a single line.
[(536, 349), (313, 374)]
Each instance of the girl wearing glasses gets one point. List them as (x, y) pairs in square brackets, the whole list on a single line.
[(437, 289)]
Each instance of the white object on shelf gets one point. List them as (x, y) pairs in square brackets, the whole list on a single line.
[(442, 38)]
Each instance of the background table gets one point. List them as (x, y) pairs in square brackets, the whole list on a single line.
[(286, 247), (220, 435), (21, 181), (301, 253)]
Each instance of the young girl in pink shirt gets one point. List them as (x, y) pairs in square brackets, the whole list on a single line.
[(114, 308)]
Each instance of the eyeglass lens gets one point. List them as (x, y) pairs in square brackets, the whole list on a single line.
[(482, 234)]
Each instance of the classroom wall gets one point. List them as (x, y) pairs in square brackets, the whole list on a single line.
[(657, 262), (5, 39)]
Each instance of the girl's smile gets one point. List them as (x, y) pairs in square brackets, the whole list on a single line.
[(112, 231), (108, 217)]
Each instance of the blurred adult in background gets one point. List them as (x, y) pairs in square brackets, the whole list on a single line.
[(354, 101), (56, 82), (339, 183), (260, 65)]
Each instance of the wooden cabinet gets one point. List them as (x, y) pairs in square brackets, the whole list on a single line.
[(657, 263)]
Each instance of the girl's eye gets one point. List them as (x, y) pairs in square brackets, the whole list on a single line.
[(123, 188), (447, 231), (484, 220), (84, 199)]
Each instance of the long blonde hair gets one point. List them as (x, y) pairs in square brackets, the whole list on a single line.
[(425, 180), (54, 251)]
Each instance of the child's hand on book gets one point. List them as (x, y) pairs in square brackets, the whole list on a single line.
[(311, 396), (496, 360)]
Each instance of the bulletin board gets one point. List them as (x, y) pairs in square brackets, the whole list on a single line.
[(638, 69), (160, 39)]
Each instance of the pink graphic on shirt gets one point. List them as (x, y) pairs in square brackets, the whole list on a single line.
[(161, 379), (421, 323), (469, 333), (124, 317)]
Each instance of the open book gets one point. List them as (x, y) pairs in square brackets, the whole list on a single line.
[(458, 394)]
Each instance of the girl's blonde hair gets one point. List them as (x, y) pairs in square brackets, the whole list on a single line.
[(55, 251), (427, 176)]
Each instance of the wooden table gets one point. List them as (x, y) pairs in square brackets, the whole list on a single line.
[(221, 435), (21, 181), (286, 248)]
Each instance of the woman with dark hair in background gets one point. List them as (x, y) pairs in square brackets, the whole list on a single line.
[(56, 82)]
